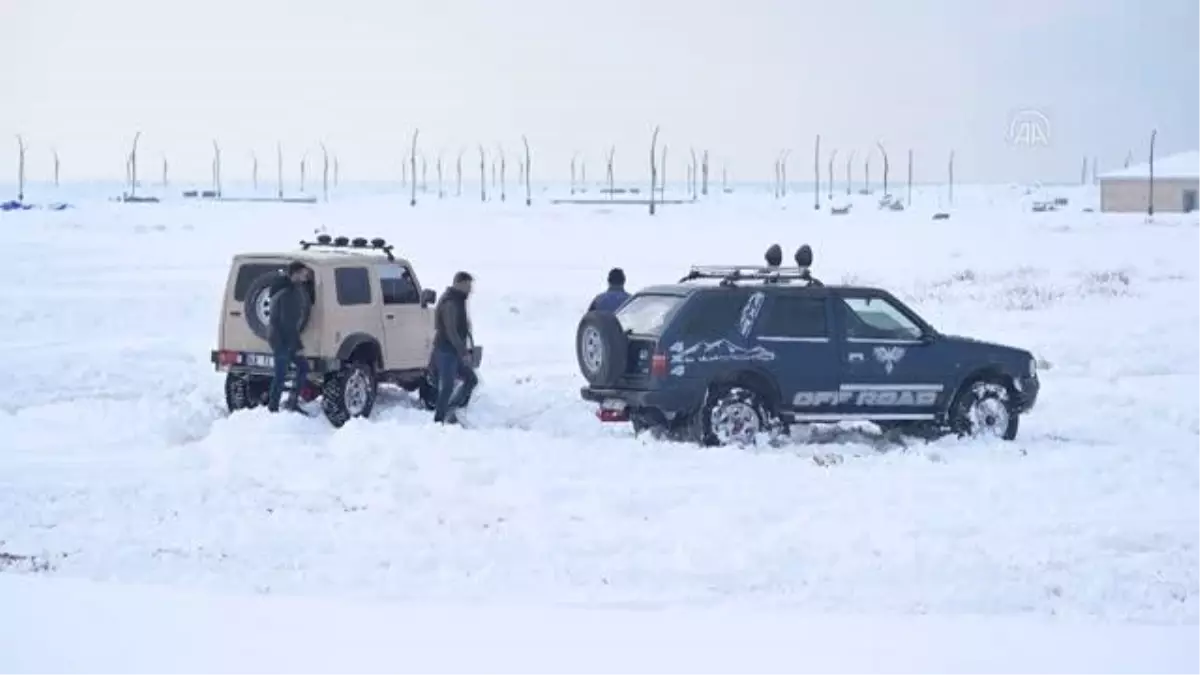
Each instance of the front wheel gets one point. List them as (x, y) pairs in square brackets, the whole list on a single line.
[(984, 409), (350, 392)]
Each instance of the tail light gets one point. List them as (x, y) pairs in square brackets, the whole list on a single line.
[(658, 365), (227, 358)]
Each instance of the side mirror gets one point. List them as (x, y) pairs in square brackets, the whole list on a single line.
[(428, 297)]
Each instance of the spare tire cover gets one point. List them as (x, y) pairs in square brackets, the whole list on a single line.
[(602, 348), (257, 305)]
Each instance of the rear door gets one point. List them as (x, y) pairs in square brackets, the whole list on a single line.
[(644, 317), (707, 336), (797, 332), (236, 334), (407, 325)]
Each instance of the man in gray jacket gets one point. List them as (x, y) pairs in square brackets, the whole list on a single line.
[(452, 358), (283, 329)]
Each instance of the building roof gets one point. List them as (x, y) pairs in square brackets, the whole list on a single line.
[(1180, 165)]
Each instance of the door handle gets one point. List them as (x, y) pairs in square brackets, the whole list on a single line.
[(389, 316)]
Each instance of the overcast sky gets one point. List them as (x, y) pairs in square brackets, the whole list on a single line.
[(1020, 89)]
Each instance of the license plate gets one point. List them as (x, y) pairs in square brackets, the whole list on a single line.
[(260, 360), (613, 404)]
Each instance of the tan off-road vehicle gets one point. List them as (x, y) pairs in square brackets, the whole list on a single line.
[(368, 322)]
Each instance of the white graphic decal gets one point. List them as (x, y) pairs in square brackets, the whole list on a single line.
[(869, 398), (750, 313), (717, 350), (677, 371), (889, 357)]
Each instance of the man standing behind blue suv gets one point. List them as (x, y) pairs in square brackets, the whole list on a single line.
[(615, 296)]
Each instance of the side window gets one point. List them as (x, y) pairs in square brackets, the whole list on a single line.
[(712, 315), (353, 286), (795, 316), (397, 287), (877, 319)]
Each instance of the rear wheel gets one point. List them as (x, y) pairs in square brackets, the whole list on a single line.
[(984, 409), (350, 392), (243, 392), (427, 391), (732, 416)]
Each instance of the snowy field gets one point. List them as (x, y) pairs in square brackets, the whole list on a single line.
[(120, 465)]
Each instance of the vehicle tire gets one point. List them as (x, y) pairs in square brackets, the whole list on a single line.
[(732, 415), (350, 392), (984, 408), (257, 306), (427, 391), (601, 348), (243, 392)]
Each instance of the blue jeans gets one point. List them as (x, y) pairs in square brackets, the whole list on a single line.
[(450, 368), (284, 357)]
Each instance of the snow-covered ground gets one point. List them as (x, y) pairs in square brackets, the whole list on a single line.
[(74, 626), (119, 464)]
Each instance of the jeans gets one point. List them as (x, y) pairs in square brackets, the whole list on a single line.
[(449, 368), (284, 357)]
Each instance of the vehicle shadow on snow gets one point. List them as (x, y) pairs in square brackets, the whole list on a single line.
[(831, 444), (563, 417)]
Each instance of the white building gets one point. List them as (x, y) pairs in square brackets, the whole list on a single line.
[(1176, 185)]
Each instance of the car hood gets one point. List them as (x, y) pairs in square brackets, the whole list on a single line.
[(993, 347)]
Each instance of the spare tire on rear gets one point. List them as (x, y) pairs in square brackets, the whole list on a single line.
[(601, 348), (257, 305)]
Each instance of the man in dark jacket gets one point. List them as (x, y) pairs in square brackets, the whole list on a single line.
[(452, 358), (288, 300), (615, 296)]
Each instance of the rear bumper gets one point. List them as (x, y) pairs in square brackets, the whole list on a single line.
[(664, 400), (250, 363)]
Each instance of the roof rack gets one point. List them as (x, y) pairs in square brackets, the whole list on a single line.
[(771, 273), (730, 275), (326, 241)]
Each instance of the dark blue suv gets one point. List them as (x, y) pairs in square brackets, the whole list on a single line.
[(730, 352)]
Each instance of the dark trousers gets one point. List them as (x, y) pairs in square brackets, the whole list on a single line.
[(450, 368), (284, 357)]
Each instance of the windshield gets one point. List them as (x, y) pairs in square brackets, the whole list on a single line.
[(646, 314)]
